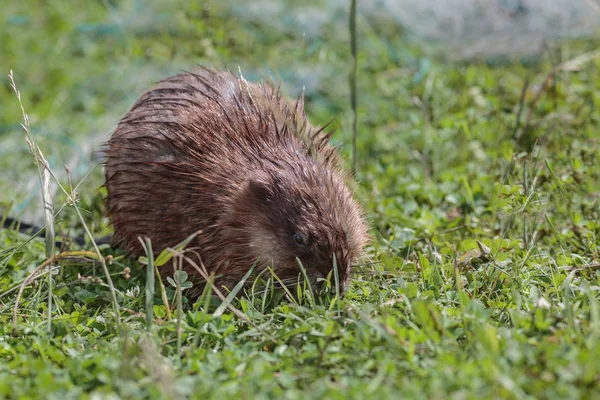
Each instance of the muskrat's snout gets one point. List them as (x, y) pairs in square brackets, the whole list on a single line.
[(328, 273), (320, 286), (323, 276)]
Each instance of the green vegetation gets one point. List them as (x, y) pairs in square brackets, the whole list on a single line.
[(481, 183)]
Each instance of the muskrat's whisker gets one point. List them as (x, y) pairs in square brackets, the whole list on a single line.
[(369, 263), (286, 282), (373, 273)]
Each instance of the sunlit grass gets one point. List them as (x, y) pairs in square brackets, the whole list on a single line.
[(480, 181)]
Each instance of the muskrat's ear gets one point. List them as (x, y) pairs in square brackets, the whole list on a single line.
[(257, 190), (252, 196)]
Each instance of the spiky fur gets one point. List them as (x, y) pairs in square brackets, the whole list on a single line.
[(207, 151)]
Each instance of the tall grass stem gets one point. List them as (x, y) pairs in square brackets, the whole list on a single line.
[(353, 78)]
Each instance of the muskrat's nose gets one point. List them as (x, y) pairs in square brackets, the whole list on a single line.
[(343, 285), (342, 277), (321, 283)]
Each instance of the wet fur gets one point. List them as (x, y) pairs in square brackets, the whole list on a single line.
[(207, 151)]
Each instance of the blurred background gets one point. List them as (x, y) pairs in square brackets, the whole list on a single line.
[(81, 65)]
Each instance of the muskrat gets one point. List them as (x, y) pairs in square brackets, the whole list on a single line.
[(205, 151)]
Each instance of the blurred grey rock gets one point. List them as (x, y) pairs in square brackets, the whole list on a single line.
[(468, 28)]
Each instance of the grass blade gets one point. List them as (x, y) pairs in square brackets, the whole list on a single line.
[(149, 282)]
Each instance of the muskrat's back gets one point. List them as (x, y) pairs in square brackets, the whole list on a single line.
[(208, 152)]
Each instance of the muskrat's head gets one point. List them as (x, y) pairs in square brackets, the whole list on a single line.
[(300, 214)]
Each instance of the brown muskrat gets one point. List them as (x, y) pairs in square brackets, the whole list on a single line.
[(208, 152)]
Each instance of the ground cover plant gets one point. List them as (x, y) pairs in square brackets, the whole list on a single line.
[(480, 179)]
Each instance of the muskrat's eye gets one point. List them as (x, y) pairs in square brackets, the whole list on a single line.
[(300, 239)]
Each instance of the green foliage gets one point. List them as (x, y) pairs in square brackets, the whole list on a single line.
[(482, 196)]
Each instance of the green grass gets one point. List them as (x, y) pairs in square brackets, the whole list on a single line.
[(485, 282)]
